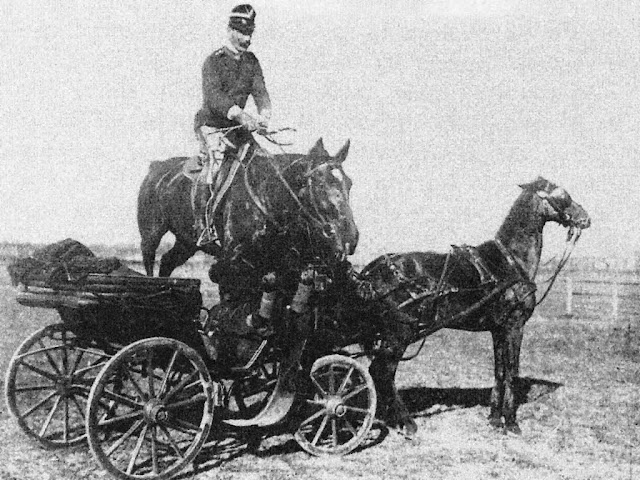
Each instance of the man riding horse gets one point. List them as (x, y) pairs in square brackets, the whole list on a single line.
[(223, 127)]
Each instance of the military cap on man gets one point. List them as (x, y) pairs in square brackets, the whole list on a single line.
[(242, 19)]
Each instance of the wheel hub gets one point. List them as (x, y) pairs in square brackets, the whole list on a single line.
[(64, 384), (335, 407), (155, 412)]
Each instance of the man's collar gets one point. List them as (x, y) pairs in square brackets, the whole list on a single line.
[(232, 51)]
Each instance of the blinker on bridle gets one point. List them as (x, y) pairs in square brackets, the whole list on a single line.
[(553, 201)]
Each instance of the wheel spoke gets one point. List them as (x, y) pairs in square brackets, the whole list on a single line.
[(39, 404), (136, 450), (120, 418), (45, 426), (202, 397), (356, 391), (123, 438), (49, 357), (358, 410), (37, 351), (350, 427), (320, 430), (334, 432), (154, 450), (318, 386), (314, 416), (121, 399), (172, 442), (184, 426), (343, 385), (77, 361), (84, 370), (141, 393), (65, 353), (80, 409), (65, 428), (163, 385), (34, 388), (150, 374), (44, 373), (332, 380), (182, 385)]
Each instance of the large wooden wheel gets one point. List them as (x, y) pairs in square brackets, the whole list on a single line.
[(48, 383), (340, 411), (150, 409)]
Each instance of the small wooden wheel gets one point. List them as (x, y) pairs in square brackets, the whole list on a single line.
[(339, 413), (47, 385), (150, 409)]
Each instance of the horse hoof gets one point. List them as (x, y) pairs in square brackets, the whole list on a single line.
[(495, 422), (512, 428), (410, 428)]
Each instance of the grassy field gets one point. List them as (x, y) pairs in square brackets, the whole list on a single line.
[(580, 411)]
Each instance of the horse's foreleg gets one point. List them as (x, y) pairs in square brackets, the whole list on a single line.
[(511, 367), (383, 371), (391, 406), (178, 255), (497, 392)]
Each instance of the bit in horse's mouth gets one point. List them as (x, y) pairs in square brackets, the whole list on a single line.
[(573, 231)]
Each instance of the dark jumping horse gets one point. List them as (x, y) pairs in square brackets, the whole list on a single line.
[(275, 206), (487, 288)]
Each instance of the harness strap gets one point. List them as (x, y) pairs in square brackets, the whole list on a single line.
[(515, 263), (486, 276), (263, 209)]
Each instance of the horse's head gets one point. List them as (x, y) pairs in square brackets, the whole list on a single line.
[(326, 192), (557, 205)]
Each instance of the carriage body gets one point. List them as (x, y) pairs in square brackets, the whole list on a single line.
[(131, 369)]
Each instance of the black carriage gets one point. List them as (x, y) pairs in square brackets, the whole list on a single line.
[(141, 371)]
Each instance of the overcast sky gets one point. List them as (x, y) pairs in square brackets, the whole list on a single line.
[(449, 105)]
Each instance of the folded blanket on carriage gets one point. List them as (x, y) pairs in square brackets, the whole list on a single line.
[(60, 262)]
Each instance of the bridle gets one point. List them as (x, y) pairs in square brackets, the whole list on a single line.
[(315, 218), (572, 237)]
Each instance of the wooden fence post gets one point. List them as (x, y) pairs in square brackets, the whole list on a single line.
[(615, 301), (569, 302)]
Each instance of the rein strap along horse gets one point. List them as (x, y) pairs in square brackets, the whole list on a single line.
[(279, 211), (490, 287)]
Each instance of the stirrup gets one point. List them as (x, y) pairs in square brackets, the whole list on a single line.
[(207, 236)]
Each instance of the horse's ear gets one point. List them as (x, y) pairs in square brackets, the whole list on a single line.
[(341, 156), (318, 149)]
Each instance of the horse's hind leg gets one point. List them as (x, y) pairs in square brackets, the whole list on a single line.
[(148, 246), (178, 255)]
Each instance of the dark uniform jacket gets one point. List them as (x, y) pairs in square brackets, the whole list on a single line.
[(227, 81)]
